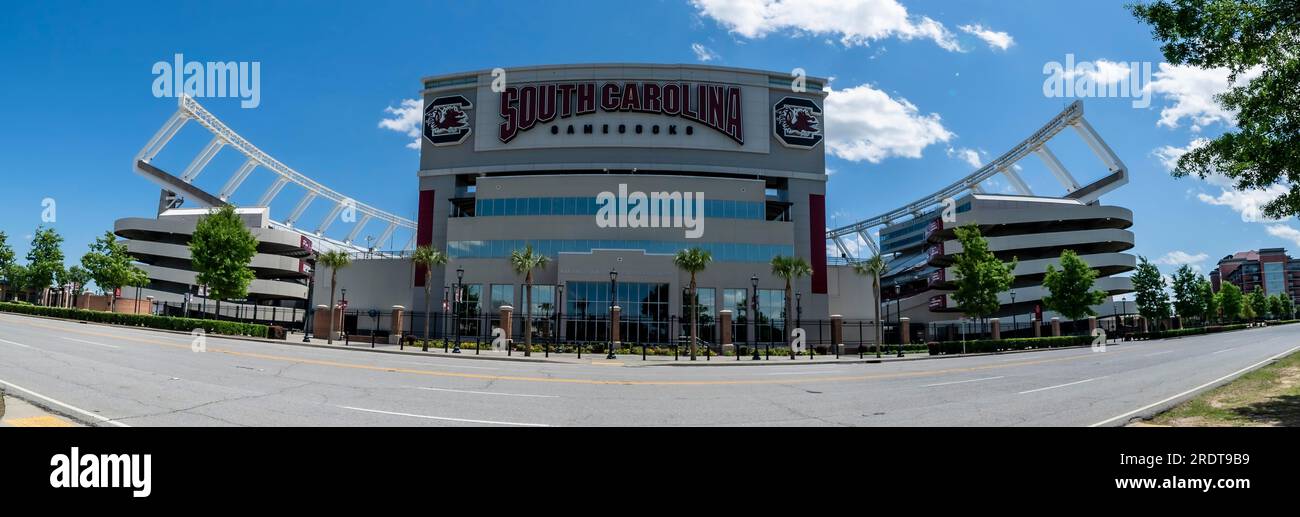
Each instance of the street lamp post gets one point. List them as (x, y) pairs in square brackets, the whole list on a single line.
[(613, 301), (898, 313), (1013, 310), (753, 302), (309, 308), (460, 287), (559, 320)]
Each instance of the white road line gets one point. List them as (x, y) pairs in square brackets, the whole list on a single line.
[(448, 419), (489, 393), (1159, 353), (963, 382), (1196, 389), (1060, 385), (1222, 351), (64, 405), (90, 342), (806, 372), (15, 344)]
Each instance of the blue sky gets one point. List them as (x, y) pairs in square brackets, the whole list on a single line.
[(926, 88)]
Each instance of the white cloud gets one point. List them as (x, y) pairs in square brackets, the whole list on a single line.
[(1180, 257), (1192, 91), (703, 54), (995, 39), (1285, 232), (970, 156), (1169, 155), (855, 22), (1249, 203), (863, 123), (405, 119)]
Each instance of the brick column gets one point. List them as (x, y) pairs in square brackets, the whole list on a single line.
[(395, 329), (507, 324), (1056, 326), (905, 326), (1144, 323), (320, 326), (1038, 328), (997, 328), (613, 324), (1092, 324), (837, 332), (724, 330)]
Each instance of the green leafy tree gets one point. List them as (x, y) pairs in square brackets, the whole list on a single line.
[(1231, 301), (110, 265), (693, 261), (790, 269), (1209, 301), (981, 276), (1149, 291), (873, 267), (1275, 306), (335, 260), (523, 262), (1258, 303), (44, 261), (6, 265), (78, 277), (220, 250), (1250, 38), (17, 275), (1288, 307), (1071, 287), (428, 257), (1187, 293)]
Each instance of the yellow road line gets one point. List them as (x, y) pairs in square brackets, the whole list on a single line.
[(39, 421), (561, 380)]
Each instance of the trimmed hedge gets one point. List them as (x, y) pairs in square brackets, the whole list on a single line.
[(1164, 334), (229, 328), (1001, 345)]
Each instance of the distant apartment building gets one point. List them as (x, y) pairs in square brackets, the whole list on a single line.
[(1270, 268)]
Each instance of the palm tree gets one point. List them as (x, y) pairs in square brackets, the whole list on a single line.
[(875, 266), (335, 260), (524, 262), (693, 261), (789, 268), (428, 257)]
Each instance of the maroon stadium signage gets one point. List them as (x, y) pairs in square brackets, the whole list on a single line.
[(716, 106)]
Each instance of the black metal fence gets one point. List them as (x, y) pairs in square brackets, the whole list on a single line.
[(286, 317)]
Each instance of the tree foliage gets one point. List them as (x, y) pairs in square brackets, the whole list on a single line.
[(1258, 303), (1209, 301), (1249, 38), (110, 265), (693, 261), (980, 274), (1231, 301), (44, 259), (220, 251), (1071, 287), (524, 261), (1187, 293), (1149, 291)]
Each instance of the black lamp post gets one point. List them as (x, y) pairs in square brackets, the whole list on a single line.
[(898, 313), (798, 310), (613, 300), (460, 286), (443, 311), (559, 310), (753, 302), (1013, 310), (310, 308)]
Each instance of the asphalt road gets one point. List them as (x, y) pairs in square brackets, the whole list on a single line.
[(119, 376)]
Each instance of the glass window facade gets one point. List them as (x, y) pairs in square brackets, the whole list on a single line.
[(1274, 278), (644, 307), (738, 301), (529, 206), (722, 251), (502, 294)]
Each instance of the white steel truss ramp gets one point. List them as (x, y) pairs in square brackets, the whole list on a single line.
[(1004, 165), (222, 137)]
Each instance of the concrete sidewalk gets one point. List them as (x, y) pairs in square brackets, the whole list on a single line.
[(15, 412)]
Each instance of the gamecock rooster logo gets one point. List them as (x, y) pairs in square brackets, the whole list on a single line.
[(446, 120), (797, 122)]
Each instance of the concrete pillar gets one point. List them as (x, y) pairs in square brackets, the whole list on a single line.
[(1092, 324), (1038, 328), (1144, 324), (996, 325), (724, 330), (613, 324), (395, 329), (1056, 326), (837, 333), (905, 326), (507, 324)]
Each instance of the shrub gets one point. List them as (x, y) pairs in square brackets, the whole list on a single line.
[(229, 328), (1002, 345)]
